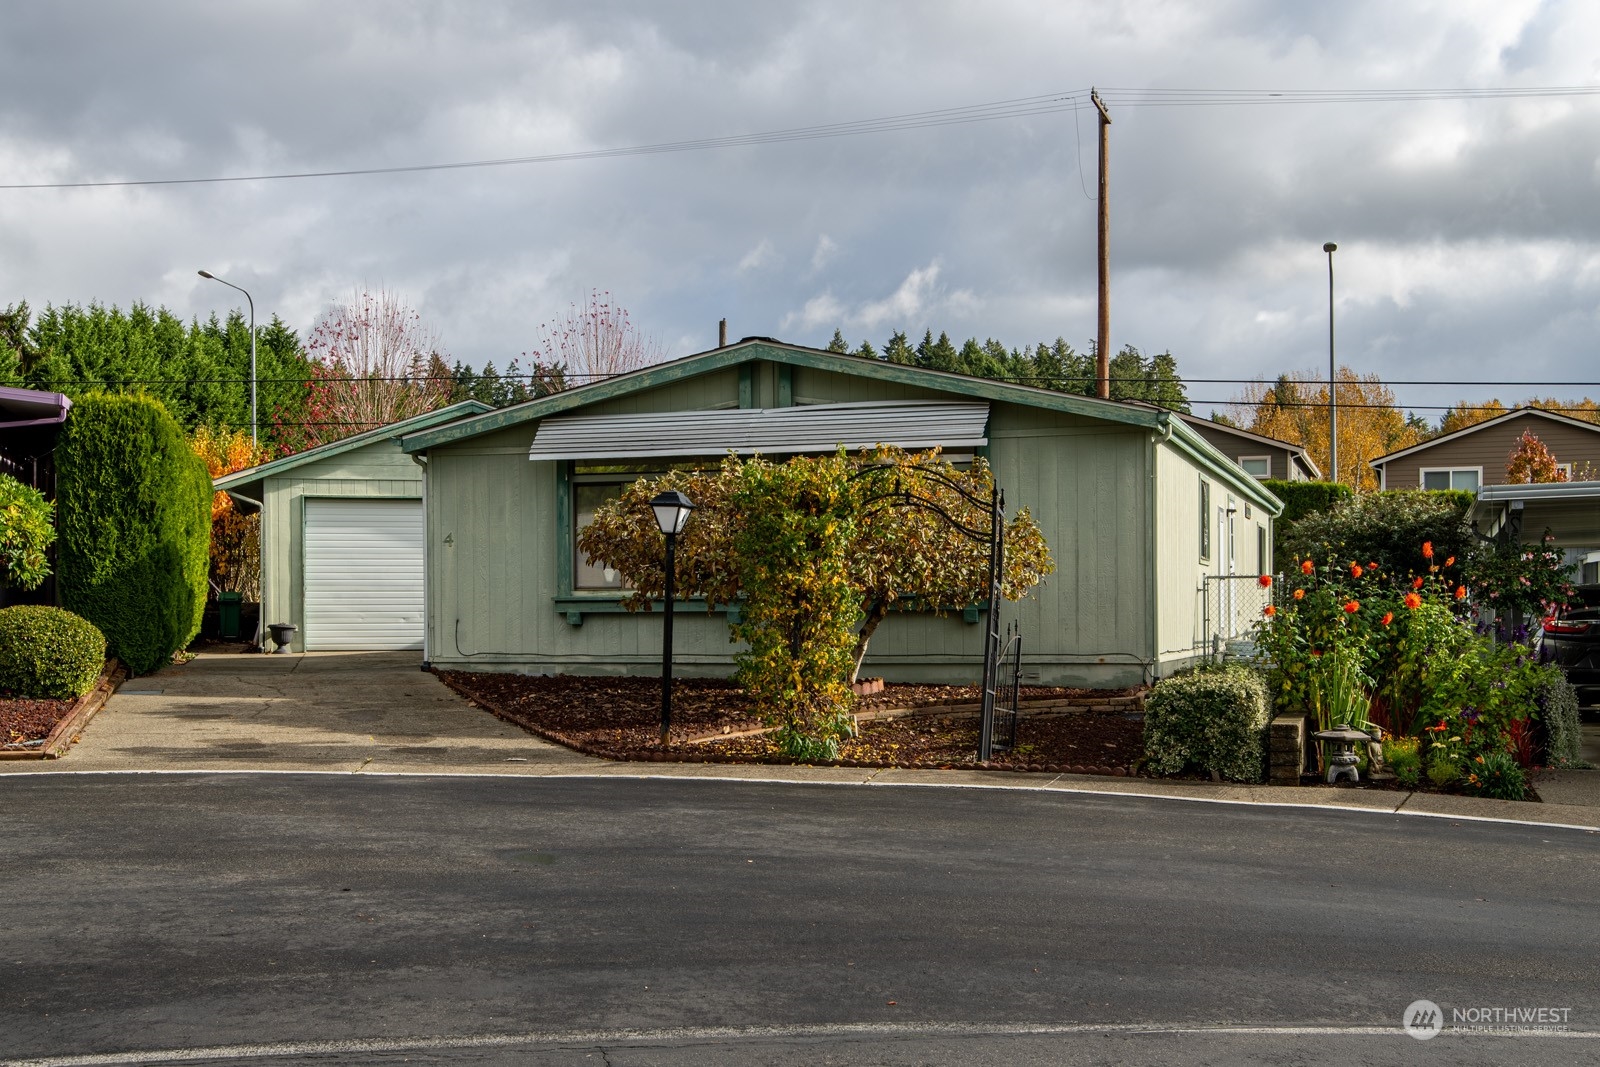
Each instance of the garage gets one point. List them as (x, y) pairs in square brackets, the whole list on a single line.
[(363, 575), (342, 538)]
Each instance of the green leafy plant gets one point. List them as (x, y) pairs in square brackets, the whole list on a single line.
[(27, 530), (48, 652), (800, 609), (135, 524), (1443, 769), (1558, 709), (1213, 720), (1403, 757), (1494, 774)]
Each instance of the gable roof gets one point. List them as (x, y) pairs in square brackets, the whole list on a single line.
[(465, 409), (1514, 413), (1158, 420), (1297, 451), (795, 355)]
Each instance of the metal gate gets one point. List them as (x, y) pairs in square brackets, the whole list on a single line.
[(1232, 605), (1006, 694)]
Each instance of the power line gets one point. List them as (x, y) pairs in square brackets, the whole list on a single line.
[(1020, 107)]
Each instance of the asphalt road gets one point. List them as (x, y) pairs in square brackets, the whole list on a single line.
[(355, 919)]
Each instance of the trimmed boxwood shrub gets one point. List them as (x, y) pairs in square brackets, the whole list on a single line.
[(134, 506), (1213, 720), (48, 652)]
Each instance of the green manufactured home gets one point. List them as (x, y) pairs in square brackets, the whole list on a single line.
[(1136, 506)]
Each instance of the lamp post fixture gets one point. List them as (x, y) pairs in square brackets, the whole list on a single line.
[(1333, 403), (672, 513), (212, 277)]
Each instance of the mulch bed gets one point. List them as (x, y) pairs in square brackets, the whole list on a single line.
[(25, 724), (712, 722)]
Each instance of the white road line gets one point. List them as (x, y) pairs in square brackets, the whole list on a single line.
[(870, 782), (689, 1035)]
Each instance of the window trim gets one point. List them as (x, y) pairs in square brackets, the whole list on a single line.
[(1258, 477), (1205, 521), (1423, 472)]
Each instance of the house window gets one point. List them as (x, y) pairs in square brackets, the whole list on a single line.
[(587, 498), (1262, 562), (1205, 519), (1468, 478), (1566, 470), (1257, 466), (595, 484)]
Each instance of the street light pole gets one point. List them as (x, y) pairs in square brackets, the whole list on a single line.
[(207, 274), (672, 513), (1333, 377)]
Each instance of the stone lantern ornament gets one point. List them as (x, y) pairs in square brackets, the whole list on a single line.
[(1344, 760)]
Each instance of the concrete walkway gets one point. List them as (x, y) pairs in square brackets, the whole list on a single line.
[(378, 713)]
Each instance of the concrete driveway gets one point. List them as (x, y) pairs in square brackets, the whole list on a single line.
[(333, 711)]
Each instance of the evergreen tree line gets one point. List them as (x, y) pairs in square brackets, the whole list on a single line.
[(200, 371), (1134, 376)]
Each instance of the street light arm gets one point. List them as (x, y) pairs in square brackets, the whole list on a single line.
[(251, 302)]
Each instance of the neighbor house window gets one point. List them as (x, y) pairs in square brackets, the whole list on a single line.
[(1257, 466), (1565, 469), (1205, 519), (1468, 478)]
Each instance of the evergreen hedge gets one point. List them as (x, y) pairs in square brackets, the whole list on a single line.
[(1386, 528), (134, 506), (47, 652)]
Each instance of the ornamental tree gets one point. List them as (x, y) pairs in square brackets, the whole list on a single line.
[(371, 359), (235, 537), (1531, 461), (895, 554)]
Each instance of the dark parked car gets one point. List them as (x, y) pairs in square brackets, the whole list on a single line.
[(1572, 639)]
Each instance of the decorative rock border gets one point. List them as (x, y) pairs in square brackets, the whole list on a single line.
[(77, 717), (691, 756)]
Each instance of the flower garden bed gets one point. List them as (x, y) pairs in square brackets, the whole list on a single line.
[(1062, 730)]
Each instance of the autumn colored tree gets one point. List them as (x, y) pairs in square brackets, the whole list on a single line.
[(1532, 462), (370, 367), (898, 554), (1295, 408), (1464, 413), (235, 537), (598, 340)]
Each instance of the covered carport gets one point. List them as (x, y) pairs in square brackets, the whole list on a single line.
[(1564, 514)]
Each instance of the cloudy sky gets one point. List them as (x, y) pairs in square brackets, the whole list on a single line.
[(1468, 229)]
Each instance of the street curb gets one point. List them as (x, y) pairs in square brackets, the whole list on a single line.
[(873, 782)]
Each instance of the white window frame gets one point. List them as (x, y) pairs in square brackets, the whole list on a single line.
[(1565, 468), (1422, 474), (1257, 477), (1205, 521)]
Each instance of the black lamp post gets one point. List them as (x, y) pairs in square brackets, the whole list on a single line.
[(672, 513)]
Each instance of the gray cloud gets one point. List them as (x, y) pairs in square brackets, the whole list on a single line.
[(1468, 231)]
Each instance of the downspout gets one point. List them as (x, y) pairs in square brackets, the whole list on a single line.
[(261, 564), (1152, 542), (421, 460)]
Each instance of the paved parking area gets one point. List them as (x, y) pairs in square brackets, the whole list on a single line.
[(318, 711)]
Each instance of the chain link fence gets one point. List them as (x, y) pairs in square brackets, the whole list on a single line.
[(1233, 604)]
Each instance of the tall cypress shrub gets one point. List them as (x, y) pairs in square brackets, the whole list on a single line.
[(134, 507)]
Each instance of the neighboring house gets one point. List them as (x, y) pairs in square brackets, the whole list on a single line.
[(30, 423), (1136, 506), (1477, 455), (342, 537), (1261, 457)]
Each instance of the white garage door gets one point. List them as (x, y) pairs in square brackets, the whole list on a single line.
[(363, 580)]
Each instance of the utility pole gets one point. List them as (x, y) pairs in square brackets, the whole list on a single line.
[(1102, 350), (1333, 377)]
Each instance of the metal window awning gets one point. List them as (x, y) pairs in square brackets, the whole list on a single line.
[(768, 431)]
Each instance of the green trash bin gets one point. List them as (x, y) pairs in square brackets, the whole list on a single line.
[(228, 615)]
